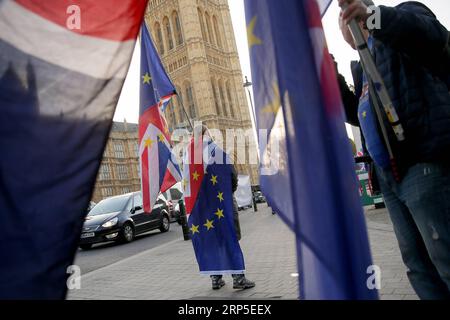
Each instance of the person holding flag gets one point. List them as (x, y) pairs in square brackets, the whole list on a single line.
[(208, 192), (417, 81), (159, 169)]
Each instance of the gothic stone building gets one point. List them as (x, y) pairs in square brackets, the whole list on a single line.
[(195, 40), (119, 171)]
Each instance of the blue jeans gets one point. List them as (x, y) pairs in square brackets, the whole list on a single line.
[(419, 207)]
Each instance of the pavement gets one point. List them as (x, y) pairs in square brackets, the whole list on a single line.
[(169, 271)]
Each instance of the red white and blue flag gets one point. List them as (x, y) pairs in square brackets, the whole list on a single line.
[(298, 102), (62, 66), (159, 168)]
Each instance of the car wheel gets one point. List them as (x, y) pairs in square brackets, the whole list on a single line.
[(85, 246), (127, 234), (165, 223)]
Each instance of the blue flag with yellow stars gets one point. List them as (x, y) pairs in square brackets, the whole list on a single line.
[(307, 167), (209, 206)]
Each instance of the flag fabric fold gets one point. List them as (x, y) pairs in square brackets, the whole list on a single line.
[(59, 87), (209, 207), (159, 168), (298, 102)]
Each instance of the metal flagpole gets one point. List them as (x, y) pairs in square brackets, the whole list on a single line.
[(184, 110)]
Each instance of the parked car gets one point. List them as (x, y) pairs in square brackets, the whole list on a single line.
[(259, 197), (121, 218)]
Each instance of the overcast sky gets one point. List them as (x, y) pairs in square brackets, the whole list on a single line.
[(128, 106)]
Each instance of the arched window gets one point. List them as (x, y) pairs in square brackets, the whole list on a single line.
[(168, 31), (216, 100), (202, 24), (216, 30), (208, 26), (190, 101), (159, 38), (177, 24), (222, 98), (230, 100)]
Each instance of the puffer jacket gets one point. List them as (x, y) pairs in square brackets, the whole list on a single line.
[(410, 51)]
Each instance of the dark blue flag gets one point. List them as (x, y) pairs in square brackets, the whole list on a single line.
[(308, 153), (209, 205), (58, 90)]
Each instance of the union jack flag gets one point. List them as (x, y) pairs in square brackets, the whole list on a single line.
[(159, 169)]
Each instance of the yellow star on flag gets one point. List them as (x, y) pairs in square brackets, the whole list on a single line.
[(364, 114), (195, 176), (275, 104), (194, 229), (252, 39), (161, 137), (146, 78), (219, 214), (214, 180), (148, 143), (209, 224), (220, 196)]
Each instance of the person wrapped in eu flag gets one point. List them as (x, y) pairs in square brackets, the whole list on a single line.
[(208, 195)]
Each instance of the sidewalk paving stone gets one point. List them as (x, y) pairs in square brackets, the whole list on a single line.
[(170, 271)]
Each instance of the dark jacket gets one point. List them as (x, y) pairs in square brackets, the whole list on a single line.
[(410, 51), (234, 186)]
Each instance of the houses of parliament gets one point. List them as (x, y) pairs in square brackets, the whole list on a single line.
[(196, 43)]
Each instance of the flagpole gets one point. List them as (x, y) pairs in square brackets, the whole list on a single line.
[(380, 90), (184, 110)]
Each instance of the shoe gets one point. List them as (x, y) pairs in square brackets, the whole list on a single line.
[(242, 283), (217, 283)]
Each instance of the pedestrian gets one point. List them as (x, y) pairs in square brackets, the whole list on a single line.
[(239, 280), (411, 53), (212, 211)]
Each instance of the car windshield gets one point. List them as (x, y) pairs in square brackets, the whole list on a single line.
[(109, 205)]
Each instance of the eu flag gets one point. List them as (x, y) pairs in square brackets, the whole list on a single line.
[(59, 85), (209, 205), (298, 102)]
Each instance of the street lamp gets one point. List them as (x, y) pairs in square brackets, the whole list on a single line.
[(247, 85)]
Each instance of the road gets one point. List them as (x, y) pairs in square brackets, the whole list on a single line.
[(102, 255)]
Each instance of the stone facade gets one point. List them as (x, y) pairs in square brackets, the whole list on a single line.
[(119, 171)]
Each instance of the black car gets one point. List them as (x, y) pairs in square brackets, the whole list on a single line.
[(91, 206), (121, 218)]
